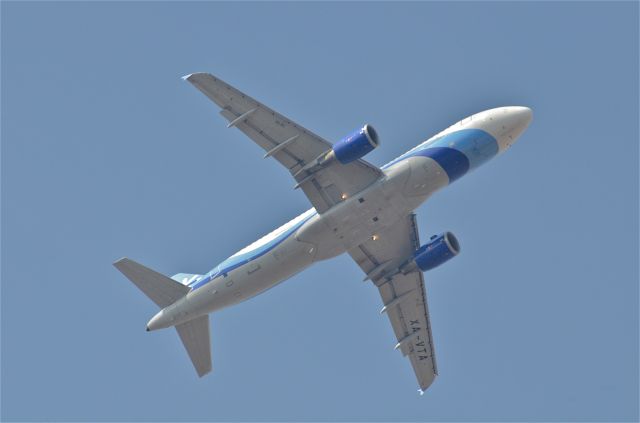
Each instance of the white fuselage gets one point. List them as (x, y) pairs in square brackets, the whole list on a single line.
[(407, 182)]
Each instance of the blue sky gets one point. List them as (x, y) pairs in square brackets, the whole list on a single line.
[(106, 153)]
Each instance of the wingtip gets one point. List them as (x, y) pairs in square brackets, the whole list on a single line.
[(191, 75), (424, 386), (204, 372), (120, 260)]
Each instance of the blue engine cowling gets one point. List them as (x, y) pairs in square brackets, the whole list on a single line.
[(356, 145), (439, 249)]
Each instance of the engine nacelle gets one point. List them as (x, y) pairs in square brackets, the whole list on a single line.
[(356, 145), (439, 249)]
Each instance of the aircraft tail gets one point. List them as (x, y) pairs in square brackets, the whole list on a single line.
[(160, 289), (165, 291)]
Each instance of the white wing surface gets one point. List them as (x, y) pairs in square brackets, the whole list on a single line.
[(403, 296), (289, 143)]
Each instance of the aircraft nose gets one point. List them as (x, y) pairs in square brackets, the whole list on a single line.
[(512, 122), (521, 117)]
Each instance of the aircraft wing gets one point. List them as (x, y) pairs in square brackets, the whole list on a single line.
[(403, 296), (289, 143)]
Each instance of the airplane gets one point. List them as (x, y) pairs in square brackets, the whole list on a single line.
[(358, 208)]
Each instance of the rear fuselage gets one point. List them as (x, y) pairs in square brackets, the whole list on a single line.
[(407, 182)]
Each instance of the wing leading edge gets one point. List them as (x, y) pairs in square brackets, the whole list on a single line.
[(295, 147), (403, 295)]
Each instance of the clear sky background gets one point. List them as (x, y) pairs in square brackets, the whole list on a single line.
[(106, 153)]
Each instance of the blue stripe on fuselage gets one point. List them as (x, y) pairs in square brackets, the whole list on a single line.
[(453, 161), (476, 145), (236, 261)]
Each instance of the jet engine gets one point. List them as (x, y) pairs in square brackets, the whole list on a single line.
[(439, 249), (356, 145)]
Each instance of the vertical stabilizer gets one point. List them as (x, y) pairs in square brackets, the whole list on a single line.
[(194, 335)]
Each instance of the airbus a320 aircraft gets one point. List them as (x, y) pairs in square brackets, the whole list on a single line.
[(358, 208)]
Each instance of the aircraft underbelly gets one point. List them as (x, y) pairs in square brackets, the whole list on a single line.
[(255, 277), (356, 220)]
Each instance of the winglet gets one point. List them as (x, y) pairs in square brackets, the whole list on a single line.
[(194, 74)]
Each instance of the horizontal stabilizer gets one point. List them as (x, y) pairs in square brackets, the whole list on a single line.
[(195, 338), (162, 290)]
